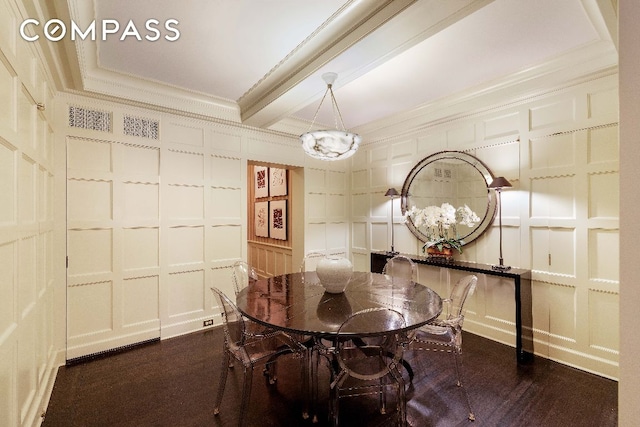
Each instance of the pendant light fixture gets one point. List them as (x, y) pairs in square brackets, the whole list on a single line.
[(336, 144)]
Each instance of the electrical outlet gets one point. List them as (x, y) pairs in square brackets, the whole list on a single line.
[(208, 322)]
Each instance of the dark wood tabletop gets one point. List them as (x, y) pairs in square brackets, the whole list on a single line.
[(298, 303)]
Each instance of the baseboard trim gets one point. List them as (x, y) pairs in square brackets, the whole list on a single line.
[(40, 404), (109, 352)]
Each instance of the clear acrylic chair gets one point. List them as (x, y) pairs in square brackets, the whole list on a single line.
[(445, 333), (242, 275), (249, 350), (365, 360), (310, 260), (400, 268)]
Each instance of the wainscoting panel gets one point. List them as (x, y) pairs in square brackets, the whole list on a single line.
[(29, 353), (187, 202), (327, 208), (227, 242), (113, 247), (560, 218), (185, 289), (8, 179)]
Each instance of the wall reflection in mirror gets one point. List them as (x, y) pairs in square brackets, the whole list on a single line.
[(451, 177)]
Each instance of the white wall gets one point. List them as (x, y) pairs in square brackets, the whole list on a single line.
[(560, 151), (28, 352)]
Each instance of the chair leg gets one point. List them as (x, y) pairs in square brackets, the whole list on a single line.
[(459, 372), (313, 382), (270, 367), (334, 412), (402, 402), (223, 380), (270, 371), (334, 396), (246, 394), (306, 373), (382, 398)]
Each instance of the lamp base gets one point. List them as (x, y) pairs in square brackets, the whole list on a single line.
[(501, 267)]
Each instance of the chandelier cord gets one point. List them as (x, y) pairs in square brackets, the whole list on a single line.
[(336, 109), (318, 109), (334, 104)]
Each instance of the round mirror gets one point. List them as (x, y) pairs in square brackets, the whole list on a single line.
[(451, 177)]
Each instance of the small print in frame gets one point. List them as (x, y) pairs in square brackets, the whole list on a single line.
[(278, 220), (261, 181), (261, 214), (277, 182)]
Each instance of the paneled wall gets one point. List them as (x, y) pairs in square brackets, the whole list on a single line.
[(27, 295), (113, 232), (560, 219), (156, 208), (327, 209)]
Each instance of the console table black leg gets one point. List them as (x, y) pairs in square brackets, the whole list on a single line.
[(518, 295)]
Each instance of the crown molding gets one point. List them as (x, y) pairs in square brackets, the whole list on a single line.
[(587, 63), (82, 97), (99, 80), (285, 89), (604, 16), (106, 82)]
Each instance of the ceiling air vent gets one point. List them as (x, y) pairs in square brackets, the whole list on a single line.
[(144, 128), (84, 118)]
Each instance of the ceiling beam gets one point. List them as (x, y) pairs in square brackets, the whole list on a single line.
[(354, 21), (358, 33)]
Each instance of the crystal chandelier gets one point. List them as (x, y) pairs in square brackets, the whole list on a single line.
[(334, 144)]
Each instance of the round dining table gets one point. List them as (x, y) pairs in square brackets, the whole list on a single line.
[(297, 302)]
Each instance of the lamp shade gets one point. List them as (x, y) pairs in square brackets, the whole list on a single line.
[(392, 192), (330, 144), (500, 182)]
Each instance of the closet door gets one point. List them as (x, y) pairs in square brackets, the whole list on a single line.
[(113, 237)]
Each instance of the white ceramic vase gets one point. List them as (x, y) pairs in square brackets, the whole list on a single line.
[(334, 273)]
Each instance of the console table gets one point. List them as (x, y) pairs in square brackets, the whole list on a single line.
[(522, 287)]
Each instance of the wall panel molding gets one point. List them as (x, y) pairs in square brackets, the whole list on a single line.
[(560, 219)]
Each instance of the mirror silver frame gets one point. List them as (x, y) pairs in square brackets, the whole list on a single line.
[(486, 218)]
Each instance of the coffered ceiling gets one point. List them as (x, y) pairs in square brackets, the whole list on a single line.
[(259, 62)]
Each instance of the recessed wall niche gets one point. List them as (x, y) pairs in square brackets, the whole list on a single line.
[(270, 215), (268, 185)]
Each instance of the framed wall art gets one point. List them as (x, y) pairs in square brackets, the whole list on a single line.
[(261, 181), (277, 182), (261, 213), (278, 219)]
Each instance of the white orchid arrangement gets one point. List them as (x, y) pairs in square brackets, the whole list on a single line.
[(439, 224)]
